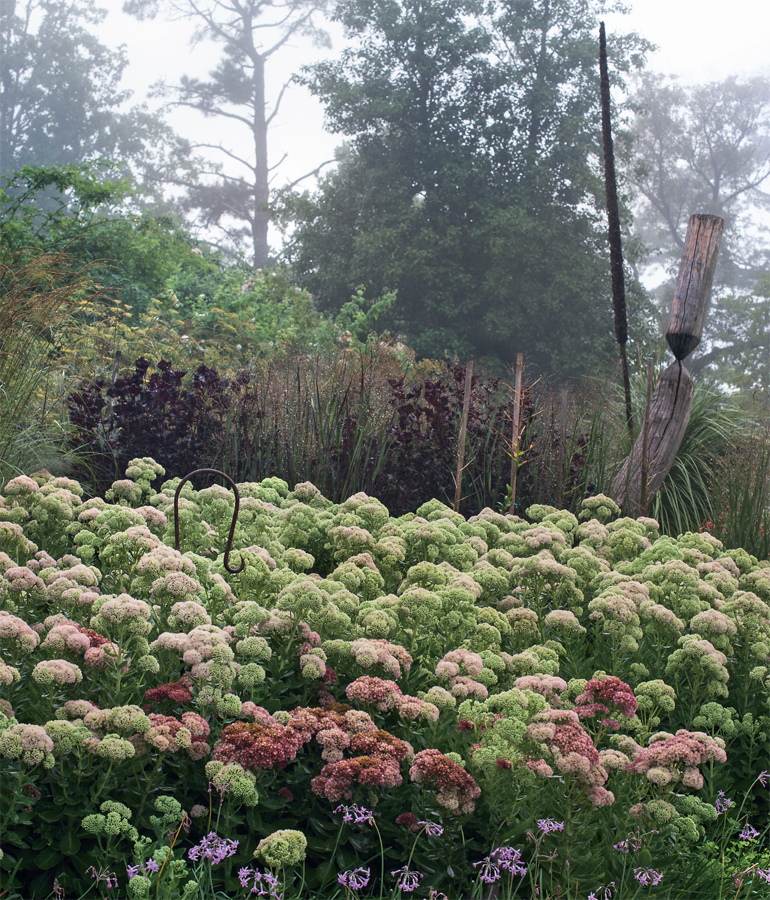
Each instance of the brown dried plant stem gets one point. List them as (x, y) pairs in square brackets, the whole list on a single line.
[(463, 432), (516, 429), (613, 221)]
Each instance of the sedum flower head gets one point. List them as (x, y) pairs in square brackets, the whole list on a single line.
[(282, 848)]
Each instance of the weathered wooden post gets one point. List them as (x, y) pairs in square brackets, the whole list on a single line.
[(516, 430), (671, 404), (463, 432)]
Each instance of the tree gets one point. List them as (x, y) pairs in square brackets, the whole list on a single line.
[(704, 148), (60, 95), (88, 212), (251, 31), (470, 185)]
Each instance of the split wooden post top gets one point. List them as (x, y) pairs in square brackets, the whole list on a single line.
[(693, 286)]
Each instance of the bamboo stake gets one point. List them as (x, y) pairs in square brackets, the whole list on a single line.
[(646, 438), (562, 440), (463, 430), (516, 428), (613, 223)]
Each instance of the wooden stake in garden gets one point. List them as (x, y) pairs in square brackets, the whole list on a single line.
[(646, 439), (562, 441), (669, 411), (516, 429), (613, 222), (463, 431)]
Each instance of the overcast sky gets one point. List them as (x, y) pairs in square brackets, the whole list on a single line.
[(697, 41)]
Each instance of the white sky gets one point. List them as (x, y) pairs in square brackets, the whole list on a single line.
[(697, 40)]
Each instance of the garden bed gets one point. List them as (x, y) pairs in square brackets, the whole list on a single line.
[(373, 706)]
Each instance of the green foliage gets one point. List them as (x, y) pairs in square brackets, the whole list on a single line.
[(463, 219), (543, 647), (89, 211), (40, 295)]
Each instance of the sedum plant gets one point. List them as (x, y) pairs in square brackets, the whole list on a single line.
[(567, 705)]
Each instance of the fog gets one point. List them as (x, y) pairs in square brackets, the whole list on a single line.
[(694, 43)]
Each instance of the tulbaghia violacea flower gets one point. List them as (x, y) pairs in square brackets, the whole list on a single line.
[(213, 848), (723, 803), (261, 883), (355, 880), (433, 829), (354, 813), (407, 881), (647, 877)]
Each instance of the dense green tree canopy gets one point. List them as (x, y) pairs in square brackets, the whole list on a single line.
[(470, 183)]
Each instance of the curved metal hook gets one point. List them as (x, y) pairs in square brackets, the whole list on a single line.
[(229, 545)]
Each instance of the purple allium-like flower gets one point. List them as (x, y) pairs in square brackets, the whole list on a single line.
[(509, 859), (355, 879), (102, 875), (490, 873), (647, 876), (762, 777), (213, 848), (549, 825), (407, 881), (353, 813), (261, 883), (133, 871), (723, 803), (152, 865), (432, 828), (602, 893), (764, 874), (748, 833)]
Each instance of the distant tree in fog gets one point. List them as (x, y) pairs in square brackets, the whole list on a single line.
[(250, 32), (61, 101), (704, 148)]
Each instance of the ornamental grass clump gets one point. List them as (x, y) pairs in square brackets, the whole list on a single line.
[(468, 684)]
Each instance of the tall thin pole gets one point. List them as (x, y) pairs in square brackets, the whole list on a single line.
[(516, 429), (613, 221), (463, 430), (646, 439), (562, 442)]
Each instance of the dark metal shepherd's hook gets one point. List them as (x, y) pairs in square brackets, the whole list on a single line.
[(229, 544)]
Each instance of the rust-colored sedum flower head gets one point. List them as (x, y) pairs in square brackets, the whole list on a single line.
[(255, 746), (456, 789), (337, 779)]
